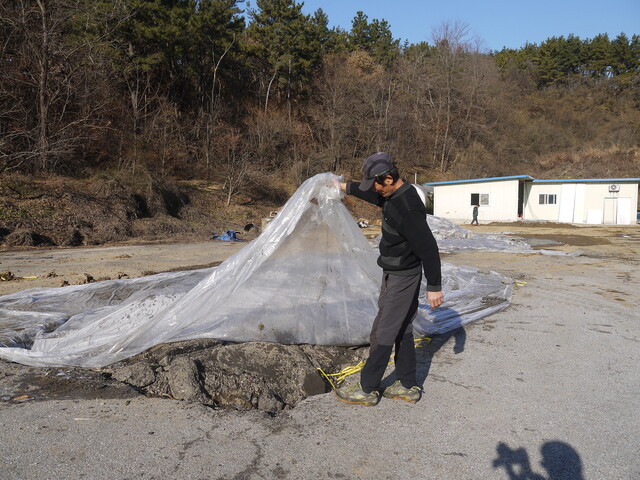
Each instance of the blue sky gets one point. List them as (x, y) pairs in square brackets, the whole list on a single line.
[(498, 23)]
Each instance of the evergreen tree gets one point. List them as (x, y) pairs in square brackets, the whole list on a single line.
[(288, 43), (598, 56), (570, 55), (625, 58), (383, 46), (547, 61), (360, 34), (215, 28), (374, 37)]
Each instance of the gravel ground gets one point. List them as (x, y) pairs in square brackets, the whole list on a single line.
[(546, 389)]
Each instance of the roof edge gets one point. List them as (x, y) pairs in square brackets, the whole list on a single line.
[(478, 180), (589, 180)]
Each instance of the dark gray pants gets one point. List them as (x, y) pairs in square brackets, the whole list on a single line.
[(393, 326)]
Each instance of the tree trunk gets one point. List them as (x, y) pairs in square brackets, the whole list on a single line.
[(445, 137), (214, 103), (43, 80), (266, 100)]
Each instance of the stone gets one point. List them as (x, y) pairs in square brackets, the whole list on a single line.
[(184, 380), (139, 374)]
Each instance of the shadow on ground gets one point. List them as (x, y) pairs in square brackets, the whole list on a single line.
[(560, 460)]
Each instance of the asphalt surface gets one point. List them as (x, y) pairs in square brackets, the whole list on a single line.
[(546, 389)]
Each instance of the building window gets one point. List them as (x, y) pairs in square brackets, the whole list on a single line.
[(479, 199), (547, 199)]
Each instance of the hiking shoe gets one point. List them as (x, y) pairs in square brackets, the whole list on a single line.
[(399, 392), (354, 394)]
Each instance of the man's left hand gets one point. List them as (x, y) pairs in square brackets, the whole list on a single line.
[(435, 299)]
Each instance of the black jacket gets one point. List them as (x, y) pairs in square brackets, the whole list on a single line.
[(407, 244)]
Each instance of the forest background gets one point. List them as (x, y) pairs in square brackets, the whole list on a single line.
[(142, 118)]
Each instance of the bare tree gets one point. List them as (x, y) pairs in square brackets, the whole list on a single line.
[(351, 115), (142, 94), (330, 113), (214, 103), (446, 82), (237, 165), (451, 47), (51, 94), (164, 134)]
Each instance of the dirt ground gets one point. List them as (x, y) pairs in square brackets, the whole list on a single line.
[(52, 267), (549, 384)]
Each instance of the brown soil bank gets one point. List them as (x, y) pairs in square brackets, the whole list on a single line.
[(61, 211)]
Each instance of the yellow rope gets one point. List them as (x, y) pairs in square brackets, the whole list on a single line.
[(353, 369)]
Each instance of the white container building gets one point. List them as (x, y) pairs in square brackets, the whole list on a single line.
[(608, 201)]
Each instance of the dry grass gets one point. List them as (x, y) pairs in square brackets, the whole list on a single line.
[(589, 162)]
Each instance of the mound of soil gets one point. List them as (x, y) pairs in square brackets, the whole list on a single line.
[(23, 237), (62, 211), (247, 376), (244, 376)]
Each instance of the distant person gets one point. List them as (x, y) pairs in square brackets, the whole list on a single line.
[(407, 246), (475, 215)]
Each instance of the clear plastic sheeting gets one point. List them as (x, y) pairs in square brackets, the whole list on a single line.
[(470, 294), (310, 277), (453, 238), (31, 313)]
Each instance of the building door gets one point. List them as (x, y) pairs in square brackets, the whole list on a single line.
[(623, 215), (567, 202), (610, 210), (579, 213)]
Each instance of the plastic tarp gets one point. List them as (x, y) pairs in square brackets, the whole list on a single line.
[(310, 277), (454, 238), (227, 236)]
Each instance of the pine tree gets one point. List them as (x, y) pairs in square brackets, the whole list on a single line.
[(374, 37)]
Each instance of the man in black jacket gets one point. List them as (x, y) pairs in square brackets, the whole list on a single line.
[(475, 215), (406, 248)]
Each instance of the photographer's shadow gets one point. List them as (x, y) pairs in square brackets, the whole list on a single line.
[(559, 459)]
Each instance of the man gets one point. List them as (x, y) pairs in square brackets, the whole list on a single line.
[(407, 245), (475, 215)]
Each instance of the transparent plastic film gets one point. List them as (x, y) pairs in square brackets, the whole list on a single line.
[(310, 277)]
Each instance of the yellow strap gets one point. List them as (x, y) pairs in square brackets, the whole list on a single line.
[(352, 369)]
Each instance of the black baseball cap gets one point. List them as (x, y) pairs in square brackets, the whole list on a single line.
[(374, 166)]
